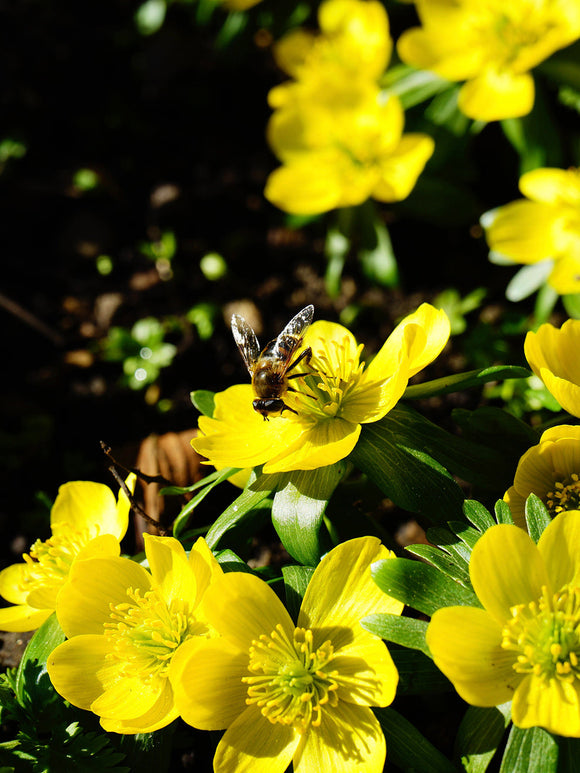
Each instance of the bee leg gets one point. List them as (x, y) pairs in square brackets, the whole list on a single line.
[(306, 355), (291, 389), (287, 408)]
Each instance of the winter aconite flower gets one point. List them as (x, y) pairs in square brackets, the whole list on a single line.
[(491, 44), (293, 693), (524, 645), (331, 404), (551, 470), (542, 228), (339, 137), (86, 521), (124, 625), (553, 356)]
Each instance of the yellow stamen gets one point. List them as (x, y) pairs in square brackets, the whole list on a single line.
[(565, 496)]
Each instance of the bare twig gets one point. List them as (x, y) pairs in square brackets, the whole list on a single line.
[(143, 475), (135, 506), (31, 320)]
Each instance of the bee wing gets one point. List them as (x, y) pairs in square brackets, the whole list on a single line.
[(246, 340), (296, 328)]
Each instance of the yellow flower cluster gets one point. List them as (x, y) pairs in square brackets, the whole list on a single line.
[(492, 45), (542, 228), (339, 137)]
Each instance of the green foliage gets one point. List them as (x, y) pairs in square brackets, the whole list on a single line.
[(142, 350)]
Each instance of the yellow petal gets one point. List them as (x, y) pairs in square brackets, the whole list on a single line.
[(493, 96), (423, 334), (11, 583), (252, 744), (240, 437), (170, 570), (565, 276), (369, 668), (290, 52), (22, 618), (506, 568), (206, 675), (554, 706), (551, 186), (556, 351), (465, 643), (83, 603), (558, 546), (204, 565), (161, 714), (349, 740), (78, 669), (243, 607), (84, 505), (325, 442), (128, 698), (341, 591), (44, 596), (523, 231), (400, 169), (104, 546), (308, 187), (517, 505)]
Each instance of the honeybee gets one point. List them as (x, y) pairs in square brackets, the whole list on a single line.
[(269, 368)]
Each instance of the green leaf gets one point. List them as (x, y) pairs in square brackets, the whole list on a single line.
[(401, 630), (204, 401), (572, 305), (32, 683), (537, 516), (448, 541), (479, 516), (180, 523), (390, 452), (418, 675), (461, 381), (530, 751), (467, 534), (407, 748), (568, 755), (296, 579), (375, 252), (258, 488), (299, 504), (442, 561), (479, 735), (180, 490), (420, 586), (231, 562), (148, 752), (413, 86), (503, 512)]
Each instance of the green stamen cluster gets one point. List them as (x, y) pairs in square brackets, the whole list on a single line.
[(565, 496), (328, 386), (291, 681), (546, 636), (145, 633)]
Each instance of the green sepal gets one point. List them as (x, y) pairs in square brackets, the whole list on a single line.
[(418, 674), (375, 251), (537, 516), (180, 523), (533, 750), (299, 504), (572, 305), (478, 515), (441, 561), (148, 751), (32, 685), (258, 488), (405, 631), (461, 381), (408, 748), (420, 586), (479, 735), (503, 513), (296, 579), (391, 452), (231, 562), (204, 401), (449, 542)]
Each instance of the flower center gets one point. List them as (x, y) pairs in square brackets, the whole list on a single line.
[(290, 680), (546, 636), (565, 496), (321, 395), (49, 562), (145, 632)]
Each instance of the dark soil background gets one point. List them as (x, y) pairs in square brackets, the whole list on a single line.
[(173, 127)]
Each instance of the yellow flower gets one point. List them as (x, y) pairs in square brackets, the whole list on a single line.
[(543, 227), (524, 645), (239, 5), (491, 44), (553, 356), (354, 37), (290, 692), (331, 404), (125, 625), (551, 470), (85, 521), (342, 153)]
